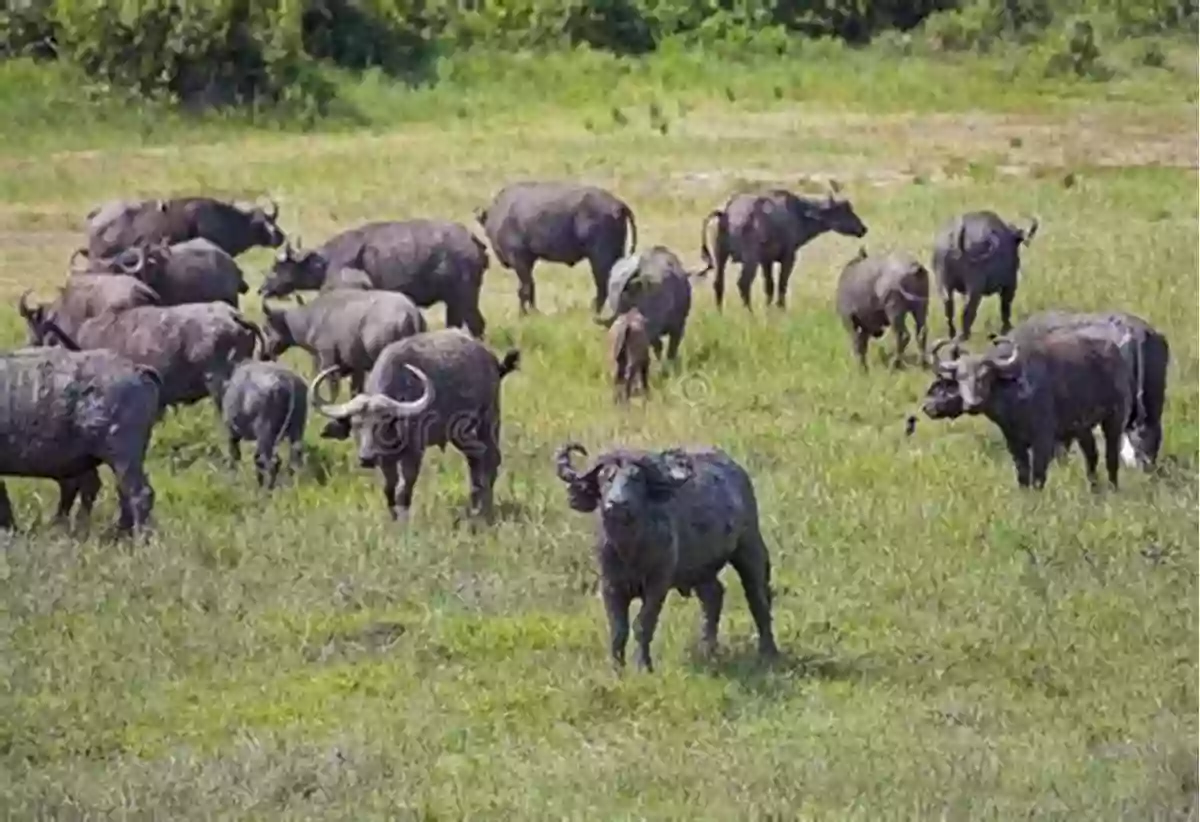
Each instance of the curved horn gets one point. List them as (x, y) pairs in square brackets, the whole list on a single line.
[(935, 350), (77, 254), (406, 408), (1005, 362), (133, 269), (336, 412), (23, 305), (562, 461), (273, 214)]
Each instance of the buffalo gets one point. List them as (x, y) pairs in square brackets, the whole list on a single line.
[(118, 225), (429, 261), (346, 329), (189, 346), (82, 297), (193, 271), (762, 230), (978, 254), (264, 402), (670, 520), (655, 282), (629, 355), (875, 293), (559, 222), (68, 412), (426, 390), (1045, 394)]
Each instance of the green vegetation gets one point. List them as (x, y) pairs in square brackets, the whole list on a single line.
[(954, 648)]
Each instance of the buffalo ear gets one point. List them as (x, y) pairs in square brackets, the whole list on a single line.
[(666, 473), (583, 493)]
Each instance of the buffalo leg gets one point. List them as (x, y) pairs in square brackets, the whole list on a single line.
[(235, 451), (618, 377), (136, 497), (400, 474), (1019, 450), (902, 337), (266, 462), (86, 487), (674, 338), (653, 598), (601, 268), (1006, 304), (616, 607), (768, 269), (712, 597), (526, 291), (472, 319), (482, 469), (644, 377), (296, 453), (1043, 453), (919, 314), (752, 563), (968, 315), (745, 280), (1091, 458), (7, 522), (859, 337), (786, 266), (719, 278), (1113, 435), (948, 308), (657, 346)]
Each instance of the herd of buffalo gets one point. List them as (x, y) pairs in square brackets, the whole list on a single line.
[(149, 319)]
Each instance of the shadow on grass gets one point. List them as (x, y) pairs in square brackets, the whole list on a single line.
[(769, 676)]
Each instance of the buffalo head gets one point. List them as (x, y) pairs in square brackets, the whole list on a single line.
[(277, 334), (975, 375), (623, 484), (294, 269), (838, 214), (264, 228), (376, 421)]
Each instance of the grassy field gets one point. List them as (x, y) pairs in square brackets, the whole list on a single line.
[(953, 648)]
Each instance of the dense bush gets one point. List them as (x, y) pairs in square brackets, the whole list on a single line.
[(234, 51)]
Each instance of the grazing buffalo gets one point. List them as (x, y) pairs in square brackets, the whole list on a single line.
[(1047, 393), (762, 230), (558, 222), (82, 297), (193, 271), (264, 402), (671, 519), (189, 346), (875, 293), (629, 355), (430, 261), (122, 224), (978, 254), (426, 390), (655, 282), (65, 414), (343, 329)]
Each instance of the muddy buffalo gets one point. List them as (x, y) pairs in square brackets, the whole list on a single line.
[(558, 222)]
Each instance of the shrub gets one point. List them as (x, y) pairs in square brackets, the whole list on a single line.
[(219, 52)]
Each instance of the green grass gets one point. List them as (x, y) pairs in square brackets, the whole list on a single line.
[(954, 648)]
